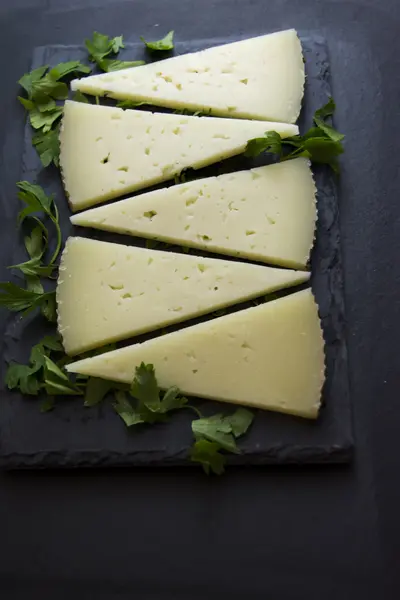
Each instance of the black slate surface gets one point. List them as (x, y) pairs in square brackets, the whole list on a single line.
[(75, 436)]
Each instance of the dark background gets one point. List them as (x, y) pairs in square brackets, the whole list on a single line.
[(279, 534)]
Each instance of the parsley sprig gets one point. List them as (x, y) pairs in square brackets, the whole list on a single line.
[(166, 43), (101, 46), (19, 299), (213, 435), (44, 88), (321, 143)]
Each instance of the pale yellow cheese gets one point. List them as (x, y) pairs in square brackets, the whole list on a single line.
[(266, 214), (106, 152), (258, 78), (270, 356), (108, 292)]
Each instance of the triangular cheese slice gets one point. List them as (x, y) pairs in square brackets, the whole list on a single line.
[(266, 214), (258, 78), (270, 356), (108, 292), (106, 152)]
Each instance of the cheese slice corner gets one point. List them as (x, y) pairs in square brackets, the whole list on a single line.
[(109, 292), (107, 152), (267, 214), (270, 356), (258, 78)]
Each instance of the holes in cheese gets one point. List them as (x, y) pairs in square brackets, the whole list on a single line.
[(94, 145), (258, 78), (270, 356), (108, 292), (266, 214)]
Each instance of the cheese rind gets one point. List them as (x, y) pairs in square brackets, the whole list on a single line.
[(266, 214), (106, 152), (108, 292), (257, 78), (270, 356)]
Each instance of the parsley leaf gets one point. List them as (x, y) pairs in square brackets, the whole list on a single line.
[(18, 299), (43, 88), (79, 97), (44, 119), (270, 142), (216, 433), (215, 429), (56, 381), (48, 146), (126, 411), (23, 378), (63, 69), (108, 64), (96, 390), (209, 456), (49, 307), (34, 267), (240, 421), (166, 43), (36, 242), (101, 46), (145, 388), (129, 104), (36, 200), (321, 143), (149, 406), (31, 78), (28, 379)]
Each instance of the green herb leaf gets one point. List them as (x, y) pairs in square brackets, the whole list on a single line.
[(79, 97), (108, 64), (31, 78), (96, 390), (208, 455), (319, 119), (67, 68), (126, 411), (271, 142), (34, 267), (49, 307), (240, 421), (52, 342), (48, 146), (56, 381), (321, 144), (34, 198), (37, 201), (215, 429), (166, 43), (33, 284), (172, 400), (18, 299), (145, 388), (44, 119), (36, 242), (101, 46), (46, 88), (23, 378), (130, 104)]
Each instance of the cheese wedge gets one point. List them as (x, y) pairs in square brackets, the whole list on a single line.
[(109, 292), (270, 356), (266, 214), (258, 78), (107, 152)]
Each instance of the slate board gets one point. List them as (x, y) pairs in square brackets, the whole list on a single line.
[(74, 436)]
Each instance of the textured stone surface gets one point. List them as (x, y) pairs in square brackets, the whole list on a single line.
[(72, 436)]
